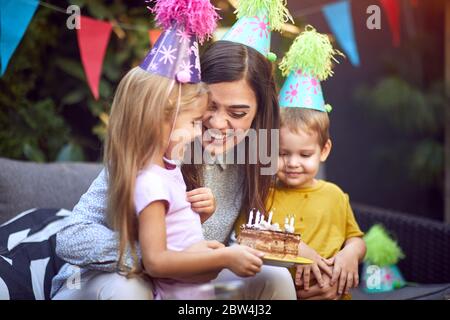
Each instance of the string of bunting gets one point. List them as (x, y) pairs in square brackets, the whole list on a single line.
[(93, 37)]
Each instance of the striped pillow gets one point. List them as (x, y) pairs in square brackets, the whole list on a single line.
[(27, 254)]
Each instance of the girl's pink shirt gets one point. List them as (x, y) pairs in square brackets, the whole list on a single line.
[(183, 226)]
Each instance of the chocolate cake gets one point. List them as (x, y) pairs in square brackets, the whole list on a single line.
[(269, 238)]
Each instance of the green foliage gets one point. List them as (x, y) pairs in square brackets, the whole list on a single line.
[(71, 152), (417, 114), (31, 126), (47, 112)]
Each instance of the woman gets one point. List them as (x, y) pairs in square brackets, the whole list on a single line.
[(243, 96)]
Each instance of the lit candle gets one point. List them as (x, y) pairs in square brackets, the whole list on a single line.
[(286, 221), (258, 216), (292, 223), (269, 220), (262, 219), (250, 218)]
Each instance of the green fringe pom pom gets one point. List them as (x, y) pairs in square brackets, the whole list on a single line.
[(311, 52), (381, 249), (328, 108), (276, 11), (272, 57)]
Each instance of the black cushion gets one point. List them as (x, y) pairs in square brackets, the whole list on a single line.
[(27, 254)]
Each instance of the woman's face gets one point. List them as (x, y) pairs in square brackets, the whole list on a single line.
[(231, 110)]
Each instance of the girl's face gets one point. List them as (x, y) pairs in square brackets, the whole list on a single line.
[(300, 157), (188, 126), (232, 109)]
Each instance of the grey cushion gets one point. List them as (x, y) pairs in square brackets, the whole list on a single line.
[(26, 185)]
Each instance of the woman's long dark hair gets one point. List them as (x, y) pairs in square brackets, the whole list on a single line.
[(226, 61)]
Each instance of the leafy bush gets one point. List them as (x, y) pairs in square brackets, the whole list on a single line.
[(47, 112)]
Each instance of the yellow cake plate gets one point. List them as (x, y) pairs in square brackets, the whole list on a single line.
[(284, 262)]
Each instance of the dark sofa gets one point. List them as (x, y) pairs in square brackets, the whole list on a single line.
[(25, 185)]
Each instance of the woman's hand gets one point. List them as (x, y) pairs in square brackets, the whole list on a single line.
[(345, 270), (303, 274), (202, 201), (315, 292), (244, 261)]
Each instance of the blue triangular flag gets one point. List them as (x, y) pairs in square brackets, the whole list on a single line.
[(339, 19), (15, 15)]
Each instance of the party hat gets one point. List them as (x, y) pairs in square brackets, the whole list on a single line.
[(308, 61), (380, 270), (175, 54), (256, 20)]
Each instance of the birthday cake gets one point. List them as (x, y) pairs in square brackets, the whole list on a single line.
[(270, 238)]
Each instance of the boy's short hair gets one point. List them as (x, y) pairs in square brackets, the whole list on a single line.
[(309, 120)]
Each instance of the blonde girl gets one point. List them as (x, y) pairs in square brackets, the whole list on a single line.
[(147, 194)]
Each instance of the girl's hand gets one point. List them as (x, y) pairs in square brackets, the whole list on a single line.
[(202, 201), (244, 261), (205, 245), (303, 274), (345, 270)]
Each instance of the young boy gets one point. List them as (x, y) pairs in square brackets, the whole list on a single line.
[(323, 216)]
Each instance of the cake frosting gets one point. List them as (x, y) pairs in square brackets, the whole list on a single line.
[(269, 238)]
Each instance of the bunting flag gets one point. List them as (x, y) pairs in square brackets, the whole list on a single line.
[(392, 9), (339, 18), (15, 15), (93, 37), (153, 35)]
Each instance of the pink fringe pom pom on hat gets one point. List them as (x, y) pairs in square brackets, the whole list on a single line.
[(199, 17)]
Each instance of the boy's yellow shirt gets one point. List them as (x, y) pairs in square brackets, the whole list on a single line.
[(323, 215)]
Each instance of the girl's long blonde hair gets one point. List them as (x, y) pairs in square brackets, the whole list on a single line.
[(142, 103)]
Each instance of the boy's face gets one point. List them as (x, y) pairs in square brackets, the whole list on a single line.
[(300, 157)]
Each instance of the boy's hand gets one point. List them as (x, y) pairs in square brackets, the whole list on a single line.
[(202, 201), (327, 292), (303, 274), (345, 270)]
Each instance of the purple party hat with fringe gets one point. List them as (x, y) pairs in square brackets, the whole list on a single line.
[(186, 23)]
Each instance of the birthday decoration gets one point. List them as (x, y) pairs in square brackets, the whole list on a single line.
[(380, 271), (15, 15), (392, 8), (308, 61), (153, 35), (339, 18), (175, 54), (93, 37), (258, 222), (256, 20)]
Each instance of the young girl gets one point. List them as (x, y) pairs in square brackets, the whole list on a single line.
[(147, 194), (155, 113)]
